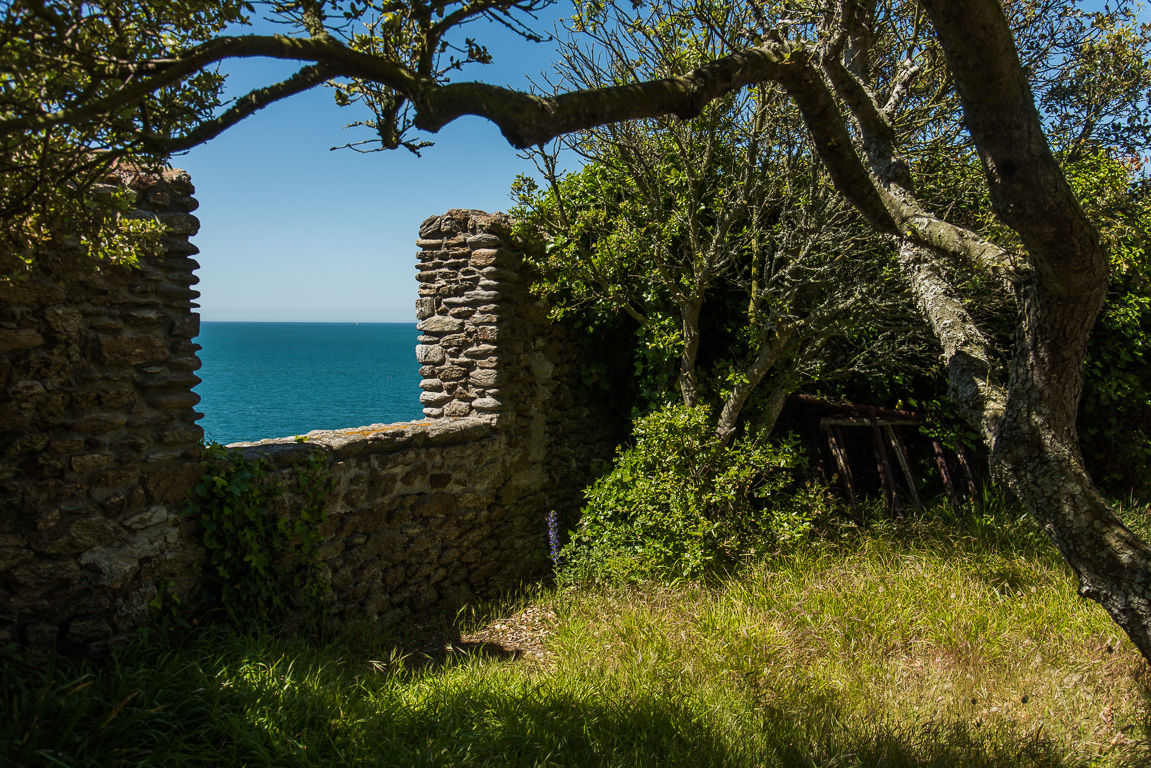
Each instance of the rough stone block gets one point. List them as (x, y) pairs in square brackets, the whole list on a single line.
[(12, 556), (481, 351), (440, 324), (452, 373), (485, 257), (152, 516), (132, 350), (485, 377), (487, 404), (171, 401), (25, 389), (457, 409), (425, 307), (172, 484), (100, 422), (484, 240), (19, 339), (46, 572), (434, 398), (428, 354), (91, 461)]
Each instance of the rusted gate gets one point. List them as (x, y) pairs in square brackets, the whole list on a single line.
[(826, 421)]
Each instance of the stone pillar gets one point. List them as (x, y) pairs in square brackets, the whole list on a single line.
[(466, 268)]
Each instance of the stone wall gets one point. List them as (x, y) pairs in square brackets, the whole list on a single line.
[(98, 434), (99, 445), (427, 515)]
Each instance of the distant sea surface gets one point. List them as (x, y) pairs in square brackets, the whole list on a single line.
[(282, 379)]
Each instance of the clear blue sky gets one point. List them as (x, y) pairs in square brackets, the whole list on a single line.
[(291, 231)]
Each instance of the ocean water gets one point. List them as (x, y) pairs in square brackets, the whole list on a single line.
[(282, 379)]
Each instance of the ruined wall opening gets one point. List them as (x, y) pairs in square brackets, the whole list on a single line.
[(281, 379)]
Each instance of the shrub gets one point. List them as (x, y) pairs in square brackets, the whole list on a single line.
[(679, 503)]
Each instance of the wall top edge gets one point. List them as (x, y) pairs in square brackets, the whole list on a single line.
[(375, 438)]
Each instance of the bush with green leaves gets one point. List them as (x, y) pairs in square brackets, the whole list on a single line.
[(680, 503), (261, 532)]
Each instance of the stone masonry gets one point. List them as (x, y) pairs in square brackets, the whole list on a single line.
[(98, 434), (99, 447)]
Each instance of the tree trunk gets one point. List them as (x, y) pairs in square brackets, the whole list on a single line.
[(768, 355), (1034, 447), (1112, 564), (689, 317)]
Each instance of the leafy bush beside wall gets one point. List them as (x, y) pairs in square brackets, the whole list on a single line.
[(262, 562), (679, 502)]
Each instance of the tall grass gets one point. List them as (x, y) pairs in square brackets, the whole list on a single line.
[(922, 644)]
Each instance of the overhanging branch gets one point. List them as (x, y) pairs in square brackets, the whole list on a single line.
[(306, 78)]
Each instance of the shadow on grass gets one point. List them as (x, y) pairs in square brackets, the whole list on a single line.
[(463, 721), (246, 702)]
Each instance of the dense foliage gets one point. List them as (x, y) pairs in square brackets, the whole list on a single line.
[(1115, 415), (720, 238), (68, 56), (680, 502), (260, 536)]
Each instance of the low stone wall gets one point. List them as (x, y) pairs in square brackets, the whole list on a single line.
[(426, 515), (99, 447)]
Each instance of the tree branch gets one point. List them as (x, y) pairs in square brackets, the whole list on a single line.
[(339, 59), (254, 101)]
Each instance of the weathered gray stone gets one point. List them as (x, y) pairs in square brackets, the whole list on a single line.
[(434, 398), (430, 355), (485, 377), (452, 373), (440, 324), (111, 565), (487, 404), (153, 515), (457, 409), (484, 240), (425, 307), (481, 351)]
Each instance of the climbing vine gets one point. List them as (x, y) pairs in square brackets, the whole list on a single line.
[(261, 533)]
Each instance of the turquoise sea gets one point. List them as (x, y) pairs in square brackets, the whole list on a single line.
[(281, 379)]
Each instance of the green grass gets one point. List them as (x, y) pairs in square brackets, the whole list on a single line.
[(922, 644)]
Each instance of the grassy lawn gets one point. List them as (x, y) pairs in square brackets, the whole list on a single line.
[(922, 644)]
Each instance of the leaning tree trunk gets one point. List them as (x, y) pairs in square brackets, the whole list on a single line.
[(1034, 448), (1112, 564), (769, 354)]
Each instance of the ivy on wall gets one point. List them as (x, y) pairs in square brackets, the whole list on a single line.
[(261, 530)]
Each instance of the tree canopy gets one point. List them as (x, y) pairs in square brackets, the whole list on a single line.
[(720, 236)]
